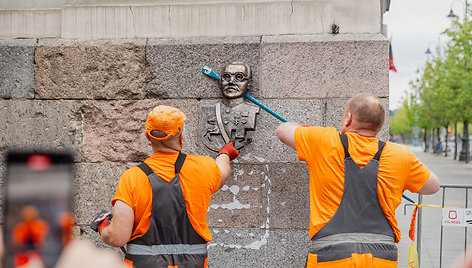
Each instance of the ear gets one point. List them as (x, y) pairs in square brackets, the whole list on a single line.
[(348, 119), (181, 139), (147, 136)]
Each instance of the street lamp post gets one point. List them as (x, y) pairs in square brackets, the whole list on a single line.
[(436, 146), (464, 154)]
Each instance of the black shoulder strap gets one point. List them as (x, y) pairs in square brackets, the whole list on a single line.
[(345, 143), (178, 165), (146, 169), (179, 162), (379, 152)]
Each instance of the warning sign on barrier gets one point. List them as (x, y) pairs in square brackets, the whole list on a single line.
[(457, 217)]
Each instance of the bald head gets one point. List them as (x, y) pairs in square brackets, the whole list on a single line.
[(367, 112), (175, 143)]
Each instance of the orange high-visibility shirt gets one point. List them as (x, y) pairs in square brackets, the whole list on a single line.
[(322, 150), (199, 178)]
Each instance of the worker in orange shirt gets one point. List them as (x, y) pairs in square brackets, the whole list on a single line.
[(160, 206), (356, 183), (28, 236)]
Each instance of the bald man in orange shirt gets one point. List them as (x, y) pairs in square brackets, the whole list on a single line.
[(356, 183)]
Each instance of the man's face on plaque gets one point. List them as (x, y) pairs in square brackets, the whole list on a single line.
[(234, 81)]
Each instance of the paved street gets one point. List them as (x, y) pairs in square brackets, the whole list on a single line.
[(449, 171)]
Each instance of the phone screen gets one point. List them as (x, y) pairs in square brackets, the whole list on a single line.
[(38, 208)]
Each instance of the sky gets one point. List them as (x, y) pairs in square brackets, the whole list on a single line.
[(413, 26)]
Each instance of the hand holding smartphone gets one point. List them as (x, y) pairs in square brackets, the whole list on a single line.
[(38, 208)]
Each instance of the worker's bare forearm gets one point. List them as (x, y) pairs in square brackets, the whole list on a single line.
[(119, 231), (222, 161), (111, 238), (285, 133)]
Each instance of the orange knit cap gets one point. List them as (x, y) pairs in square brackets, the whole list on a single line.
[(167, 119)]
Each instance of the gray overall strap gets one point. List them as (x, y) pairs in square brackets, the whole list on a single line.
[(171, 238), (359, 210)]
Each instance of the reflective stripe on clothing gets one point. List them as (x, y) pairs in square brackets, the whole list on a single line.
[(345, 250), (342, 246), (166, 249), (352, 238)]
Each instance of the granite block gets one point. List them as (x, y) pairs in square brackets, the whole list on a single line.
[(17, 68), (323, 66), (176, 64), (42, 125), (238, 203), (2, 192), (265, 146), (114, 130), (103, 69), (335, 110), (94, 188), (258, 248), (287, 195)]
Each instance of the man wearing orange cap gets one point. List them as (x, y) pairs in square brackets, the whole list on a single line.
[(160, 206)]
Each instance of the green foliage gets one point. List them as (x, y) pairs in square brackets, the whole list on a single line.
[(442, 93), (400, 123)]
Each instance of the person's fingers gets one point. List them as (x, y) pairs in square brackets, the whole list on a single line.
[(33, 262)]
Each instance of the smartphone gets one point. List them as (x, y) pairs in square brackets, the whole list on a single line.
[(38, 217)]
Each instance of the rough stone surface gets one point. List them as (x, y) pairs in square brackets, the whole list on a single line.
[(287, 195), (335, 110), (47, 125), (114, 130), (2, 186), (16, 68), (258, 248), (266, 147), (176, 64), (112, 69), (323, 66), (94, 188), (238, 203)]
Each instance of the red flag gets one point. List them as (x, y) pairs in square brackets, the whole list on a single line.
[(391, 66)]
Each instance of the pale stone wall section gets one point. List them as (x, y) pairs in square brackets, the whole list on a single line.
[(30, 23), (193, 19)]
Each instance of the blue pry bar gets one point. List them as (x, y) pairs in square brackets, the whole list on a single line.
[(263, 106), (408, 199)]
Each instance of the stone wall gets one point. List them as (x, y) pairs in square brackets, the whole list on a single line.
[(92, 97)]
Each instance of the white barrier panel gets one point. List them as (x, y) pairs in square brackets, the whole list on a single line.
[(461, 217)]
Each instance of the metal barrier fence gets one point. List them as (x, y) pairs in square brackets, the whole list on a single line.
[(466, 187)]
